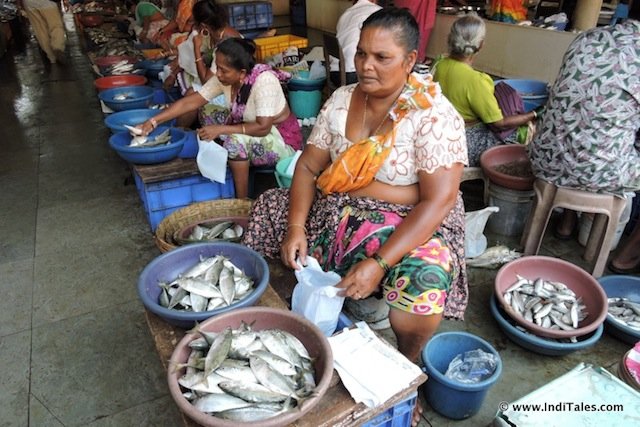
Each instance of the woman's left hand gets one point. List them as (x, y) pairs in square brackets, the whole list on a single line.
[(362, 280), (209, 133)]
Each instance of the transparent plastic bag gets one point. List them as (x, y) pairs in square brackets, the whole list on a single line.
[(472, 366)]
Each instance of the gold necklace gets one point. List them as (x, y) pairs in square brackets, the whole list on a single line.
[(364, 117)]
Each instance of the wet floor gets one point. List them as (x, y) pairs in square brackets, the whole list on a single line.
[(74, 344)]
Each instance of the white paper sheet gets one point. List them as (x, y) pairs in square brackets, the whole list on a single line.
[(370, 369)]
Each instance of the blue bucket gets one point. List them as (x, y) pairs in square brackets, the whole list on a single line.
[(305, 104), (448, 397)]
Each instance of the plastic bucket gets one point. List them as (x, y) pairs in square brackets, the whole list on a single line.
[(305, 104), (282, 178), (514, 205), (448, 397)]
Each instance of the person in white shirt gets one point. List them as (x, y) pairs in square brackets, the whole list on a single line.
[(348, 35)]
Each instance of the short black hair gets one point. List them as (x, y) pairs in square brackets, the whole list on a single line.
[(401, 22)]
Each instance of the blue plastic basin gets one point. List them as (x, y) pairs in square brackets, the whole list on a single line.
[(152, 67), (116, 121), (448, 397), (190, 148), (169, 265), (548, 347), (534, 93), (618, 286), (150, 155), (140, 97)]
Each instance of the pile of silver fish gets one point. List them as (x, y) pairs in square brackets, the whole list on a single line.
[(211, 283), (546, 303), (225, 230), (625, 311), (245, 375), (120, 67), (97, 35), (146, 141), (115, 47)]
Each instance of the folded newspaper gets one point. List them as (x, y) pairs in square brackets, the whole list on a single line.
[(357, 353)]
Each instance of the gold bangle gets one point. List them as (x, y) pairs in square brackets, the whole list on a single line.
[(153, 122), (381, 262), (535, 115), (199, 59), (244, 132), (298, 225)]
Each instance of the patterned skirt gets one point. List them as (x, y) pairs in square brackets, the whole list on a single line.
[(343, 231), (281, 142)]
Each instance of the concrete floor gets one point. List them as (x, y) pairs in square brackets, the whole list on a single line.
[(74, 344)]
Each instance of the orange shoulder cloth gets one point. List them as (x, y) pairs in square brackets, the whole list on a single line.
[(357, 165)]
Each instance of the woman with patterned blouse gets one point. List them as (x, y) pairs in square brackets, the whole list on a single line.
[(588, 135), (375, 194)]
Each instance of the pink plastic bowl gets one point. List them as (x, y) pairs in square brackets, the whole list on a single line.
[(554, 269), (260, 318), (503, 154)]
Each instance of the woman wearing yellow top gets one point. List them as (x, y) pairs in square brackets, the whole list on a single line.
[(471, 91)]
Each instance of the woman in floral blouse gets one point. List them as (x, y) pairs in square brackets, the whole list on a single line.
[(375, 195)]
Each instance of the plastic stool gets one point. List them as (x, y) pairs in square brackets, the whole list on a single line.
[(472, 173), (253, 170), (607, 208)]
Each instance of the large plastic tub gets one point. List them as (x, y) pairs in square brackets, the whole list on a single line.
[(162, 198), (454, 399), (170, 265), (250, 15)]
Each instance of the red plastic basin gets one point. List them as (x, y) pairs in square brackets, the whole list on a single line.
[(110, 82)]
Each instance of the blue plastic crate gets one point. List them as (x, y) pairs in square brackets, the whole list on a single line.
[(159, 199), (250, 15), (397, 416)]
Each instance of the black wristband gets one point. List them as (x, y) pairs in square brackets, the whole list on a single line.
[(381, 262)]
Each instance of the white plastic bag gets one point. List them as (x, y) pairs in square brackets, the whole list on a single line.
[(316, 298), (212, 160), (317, 71), (475, 242)]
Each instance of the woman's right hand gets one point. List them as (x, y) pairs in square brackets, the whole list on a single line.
[(294, 246)]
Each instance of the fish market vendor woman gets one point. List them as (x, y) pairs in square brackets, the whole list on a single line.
[(260, 129), (375, 194)]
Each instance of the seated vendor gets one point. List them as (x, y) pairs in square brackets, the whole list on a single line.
[(259, 128), (471, 91), (375, 194)]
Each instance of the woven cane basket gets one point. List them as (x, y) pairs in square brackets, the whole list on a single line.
[(194, 213)]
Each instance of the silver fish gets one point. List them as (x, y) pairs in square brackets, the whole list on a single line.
[(218, 352), (252, 392), (219, 402)]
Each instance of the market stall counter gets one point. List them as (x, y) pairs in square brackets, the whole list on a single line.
[(337, 408)]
